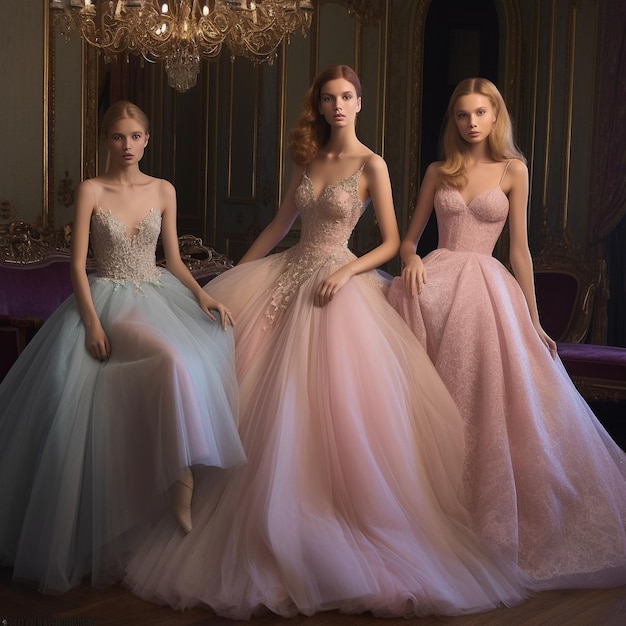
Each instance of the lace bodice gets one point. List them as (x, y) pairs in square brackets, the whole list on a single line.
[(329, 219), (327, 223), (473, 227), (123, 258)]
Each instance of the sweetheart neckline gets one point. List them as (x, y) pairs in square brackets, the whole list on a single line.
[(482, 193)]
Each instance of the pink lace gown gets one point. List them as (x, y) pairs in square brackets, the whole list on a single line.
[(546, 483), (350, 498)]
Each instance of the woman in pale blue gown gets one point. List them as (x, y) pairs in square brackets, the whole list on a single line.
[(128, 385)]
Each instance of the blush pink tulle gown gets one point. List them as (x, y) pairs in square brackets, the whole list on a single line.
[(350, 498), (547, 484)]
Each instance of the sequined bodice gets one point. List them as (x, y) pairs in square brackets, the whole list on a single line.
[(473, 227), (329, 219), (327, 223), (120, 257)]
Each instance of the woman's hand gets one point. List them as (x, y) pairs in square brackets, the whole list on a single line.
[(414, 275), (329, 287), (547, 341), (209, 304), (97, 343)]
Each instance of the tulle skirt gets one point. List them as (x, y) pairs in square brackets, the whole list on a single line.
[(545, 481), (351, 496), (89, 449)]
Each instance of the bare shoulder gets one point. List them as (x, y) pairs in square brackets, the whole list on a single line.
[(375, 164), (434, 169), (89, 191), (517, 168), (432, 175), (89, 185), (165, 186), (515, 178)]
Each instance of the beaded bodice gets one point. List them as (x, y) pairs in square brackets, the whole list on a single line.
[(329, 219), (120, 257), (327, 223), (473, 227)]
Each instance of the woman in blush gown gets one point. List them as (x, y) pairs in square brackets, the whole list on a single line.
[(350, 498), (546, 483), (129, 384)]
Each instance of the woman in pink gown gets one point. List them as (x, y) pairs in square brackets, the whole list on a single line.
[(350, 498), (546, 483)]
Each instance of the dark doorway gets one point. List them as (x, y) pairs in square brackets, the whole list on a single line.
[(461, 40)]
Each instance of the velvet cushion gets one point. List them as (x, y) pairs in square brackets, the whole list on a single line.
[(33, 291), (588, 361)]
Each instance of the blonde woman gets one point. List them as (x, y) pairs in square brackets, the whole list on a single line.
[(546, 484), (128, 385)]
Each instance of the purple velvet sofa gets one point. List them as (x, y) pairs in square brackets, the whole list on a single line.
[(565, 284), (35, 279)]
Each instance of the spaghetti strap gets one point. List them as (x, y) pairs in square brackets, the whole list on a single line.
[(506, 167)]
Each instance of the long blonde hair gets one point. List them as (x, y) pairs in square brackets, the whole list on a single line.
[(311, 131), (501, 141)]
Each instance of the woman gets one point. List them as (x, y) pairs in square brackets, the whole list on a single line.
[(350, 499), (126, 386), (546, 484)]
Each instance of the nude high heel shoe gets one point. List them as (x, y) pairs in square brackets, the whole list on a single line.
[(181, 500)]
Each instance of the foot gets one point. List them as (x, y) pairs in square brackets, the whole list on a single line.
[(181, 501)]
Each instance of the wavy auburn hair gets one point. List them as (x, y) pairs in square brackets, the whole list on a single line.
[(501, 141), (311, 131)]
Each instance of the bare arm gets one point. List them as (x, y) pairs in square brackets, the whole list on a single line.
[(278, 228), (96, 340), (379, 188), (413, 273), (520, 258), (175, 265)]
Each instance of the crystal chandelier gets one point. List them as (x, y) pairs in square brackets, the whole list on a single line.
[(182, 32)]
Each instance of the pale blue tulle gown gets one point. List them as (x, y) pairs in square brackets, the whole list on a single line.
[(89, 449)]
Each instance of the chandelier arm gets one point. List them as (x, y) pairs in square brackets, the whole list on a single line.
[(182, 32)]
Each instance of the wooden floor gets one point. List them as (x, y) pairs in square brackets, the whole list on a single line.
[(84, 606)]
